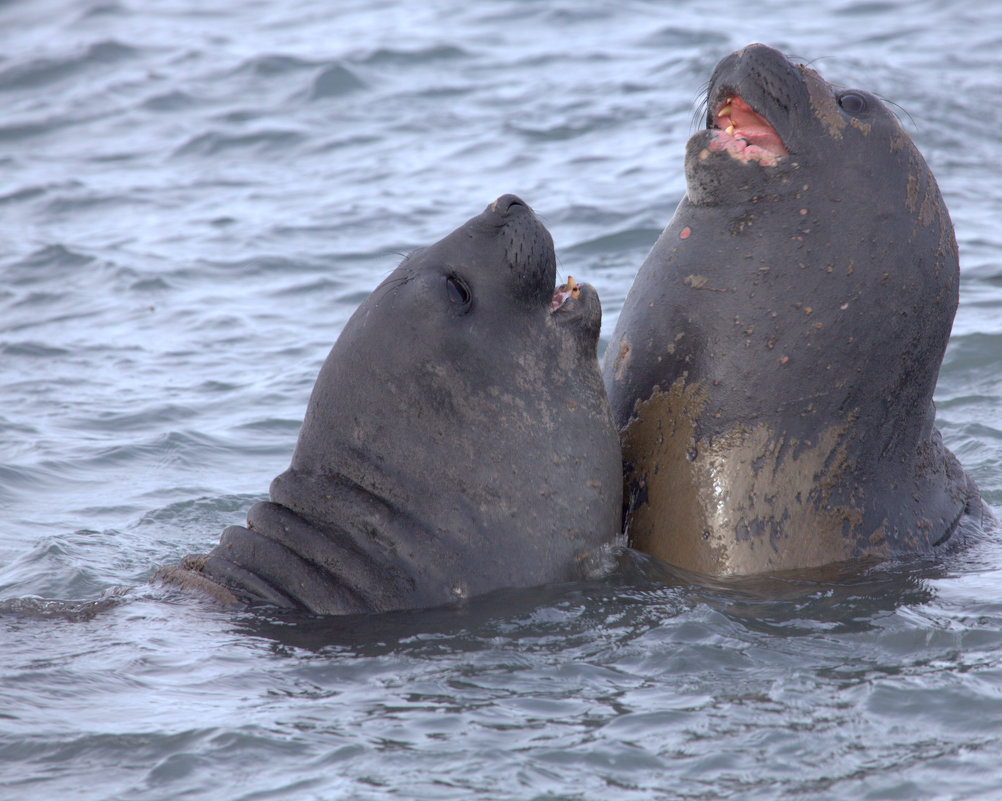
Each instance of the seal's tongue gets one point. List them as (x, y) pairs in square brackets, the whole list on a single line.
[(563, 292), (737, 119)]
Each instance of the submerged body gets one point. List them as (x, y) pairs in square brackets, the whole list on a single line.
[(458, 440), (773, 367)]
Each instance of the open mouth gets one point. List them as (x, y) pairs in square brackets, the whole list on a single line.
[(745, 134), (563, 293)]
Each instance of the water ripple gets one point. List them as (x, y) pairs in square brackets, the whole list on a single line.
[(195, 200), (42, 72)]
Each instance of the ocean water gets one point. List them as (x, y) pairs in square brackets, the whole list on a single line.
[(194, 199)]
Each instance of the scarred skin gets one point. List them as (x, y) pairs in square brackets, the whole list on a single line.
[(773, 367), (458, 440)]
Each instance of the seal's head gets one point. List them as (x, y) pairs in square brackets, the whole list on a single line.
[(490, 279), (474, 317), (768, 112)]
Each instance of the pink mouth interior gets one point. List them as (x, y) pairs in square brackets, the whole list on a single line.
[(569, 290), (745, 134)]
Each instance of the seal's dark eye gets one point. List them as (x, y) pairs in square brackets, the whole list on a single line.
[(459, 293), (852, 103)]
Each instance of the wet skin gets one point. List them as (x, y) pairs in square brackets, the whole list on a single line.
[(458, 440), (773, 367)]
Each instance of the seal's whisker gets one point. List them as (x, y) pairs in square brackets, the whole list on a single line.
[(701, 102), (898, 110), (808, 62)]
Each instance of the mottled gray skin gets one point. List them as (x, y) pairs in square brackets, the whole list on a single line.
[(773, 368), (458, 440)]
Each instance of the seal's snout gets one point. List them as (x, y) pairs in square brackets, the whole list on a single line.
[(504, 204), (755, 104), (756, 50), (576, 308)]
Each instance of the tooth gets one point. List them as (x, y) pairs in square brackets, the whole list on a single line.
[(730, 129), (725, 111)]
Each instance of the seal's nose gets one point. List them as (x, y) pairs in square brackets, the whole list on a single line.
[(504, 204), (755, 49)]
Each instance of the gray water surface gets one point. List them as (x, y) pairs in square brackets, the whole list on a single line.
[(195, 198)]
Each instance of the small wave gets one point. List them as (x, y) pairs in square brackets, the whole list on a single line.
[(193, 522), (552, 133), (104, 10), (71, 205), (198, 511), (215, 143), (58, 256), (629, 239), (175, 447), (272, 425), (23, 477), (424, 55), (674, 37), (33, 350), (24, 194), (272, 65), (154, 451), (863, 9), (151, 416), (41, 72), (156, 284), (15, 132), (310, 288), (334, 81), (73, 565), (39, 269), (175, 100), (971, 352), (253, 267)]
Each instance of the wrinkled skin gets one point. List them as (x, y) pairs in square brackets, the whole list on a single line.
[(458, 440), (773, 367)]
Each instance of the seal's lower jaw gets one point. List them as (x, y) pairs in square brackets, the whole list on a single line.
[(576, 308), (744, 134)]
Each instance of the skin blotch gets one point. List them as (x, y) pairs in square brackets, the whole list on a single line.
[(929, 210), (911, 193), (622, 358), (823, 105), (699, 282), (861, 126), (900, 142)]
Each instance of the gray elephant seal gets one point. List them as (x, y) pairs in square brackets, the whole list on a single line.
[(458, 440), (773, 367)]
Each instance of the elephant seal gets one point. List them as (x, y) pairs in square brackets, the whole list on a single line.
[(458, 440), (773, 367)]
